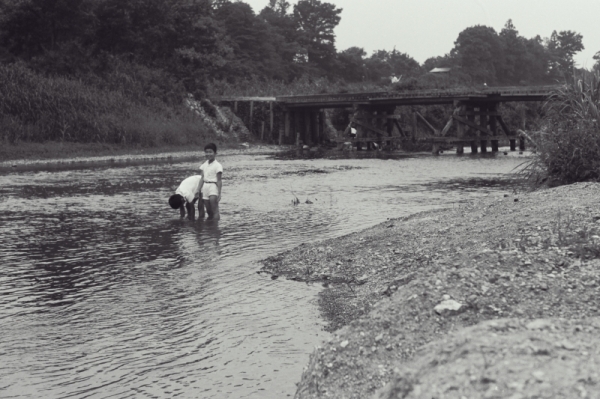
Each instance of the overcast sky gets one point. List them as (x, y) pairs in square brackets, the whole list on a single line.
[(427, 28)]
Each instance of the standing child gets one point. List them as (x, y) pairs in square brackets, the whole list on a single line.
[(211, 171), (188, 192)]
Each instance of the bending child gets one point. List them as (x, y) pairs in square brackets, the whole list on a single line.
[(188, 192), (211, 171)]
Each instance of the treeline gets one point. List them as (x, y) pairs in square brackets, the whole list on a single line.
[(152, 53), (194, 42)]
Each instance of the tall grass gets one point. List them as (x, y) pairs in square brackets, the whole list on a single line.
[(37, 108), (568, 140)]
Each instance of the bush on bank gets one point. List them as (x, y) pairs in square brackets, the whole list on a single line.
[(567, 143), (38, 108)]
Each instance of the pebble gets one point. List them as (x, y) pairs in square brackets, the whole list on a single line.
[(344, 343), (447, 306), (566, 345), (379, 337), (538, 375), (539, 324)]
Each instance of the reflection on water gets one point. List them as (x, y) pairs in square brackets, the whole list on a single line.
[(105, 292)]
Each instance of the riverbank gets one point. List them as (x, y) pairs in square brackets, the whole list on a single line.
[(54, 153), (411, 281)]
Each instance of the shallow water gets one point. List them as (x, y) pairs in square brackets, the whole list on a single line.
[(105, 292)]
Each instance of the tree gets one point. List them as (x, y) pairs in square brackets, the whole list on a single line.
[(253, 45), (563, 46), (480, 54), (383, 64), (515, 55), (285, 36), (352, 64), (316, 21), (597, 65), (37, 27), (537, 62)]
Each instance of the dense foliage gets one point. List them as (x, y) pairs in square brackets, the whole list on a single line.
[(196, 42), (156, 51)]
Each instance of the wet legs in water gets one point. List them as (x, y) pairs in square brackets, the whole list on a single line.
[(201, 213), (212, 208), (190, 210)]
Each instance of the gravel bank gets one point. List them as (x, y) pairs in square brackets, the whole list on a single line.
[(408, 282), (139, 156)]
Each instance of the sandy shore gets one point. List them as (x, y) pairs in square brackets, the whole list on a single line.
[(411, 281)]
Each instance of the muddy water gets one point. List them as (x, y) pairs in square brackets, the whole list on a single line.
[(105, 292)]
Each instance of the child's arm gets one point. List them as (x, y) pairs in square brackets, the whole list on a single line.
[(182, 211), (219, 185), (201, 183)]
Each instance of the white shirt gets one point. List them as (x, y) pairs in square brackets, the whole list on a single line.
[(189, 188), (210, 171)]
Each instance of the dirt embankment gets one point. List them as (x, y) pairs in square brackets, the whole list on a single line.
[(411, 281)]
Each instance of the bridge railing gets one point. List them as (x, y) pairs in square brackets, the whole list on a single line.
[(429, 93)]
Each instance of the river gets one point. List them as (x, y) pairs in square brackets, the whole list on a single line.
[(105, 292)]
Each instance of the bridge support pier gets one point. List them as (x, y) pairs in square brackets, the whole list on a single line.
[(513, 144), (473, 147), (493, 111), (483, 122), (522, 144)]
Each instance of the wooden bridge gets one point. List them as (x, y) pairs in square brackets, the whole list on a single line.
[(475, 117)]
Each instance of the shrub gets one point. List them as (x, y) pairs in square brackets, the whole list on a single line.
[(568, 140), (38, 108)]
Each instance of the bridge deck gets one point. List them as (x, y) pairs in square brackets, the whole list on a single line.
[(421, 97), (413, 97)]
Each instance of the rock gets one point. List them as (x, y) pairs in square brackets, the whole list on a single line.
[(379, 337), (449, 306), (539, 324), (445, 297), (565, 344), (538, 375), (344, 344)]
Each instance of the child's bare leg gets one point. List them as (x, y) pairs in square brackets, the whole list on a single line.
[(191, 212), (209, 209), (201, 208), (214, 204)]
